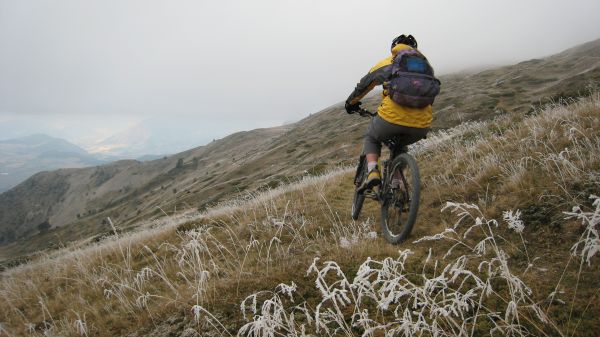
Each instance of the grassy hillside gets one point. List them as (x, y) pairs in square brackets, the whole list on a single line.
[(133, 193), (520, 87), (127, 191), (492, 251)]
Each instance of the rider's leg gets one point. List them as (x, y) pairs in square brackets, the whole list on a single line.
[(372, 145), (372, 150), (380, 130), (372, 159)]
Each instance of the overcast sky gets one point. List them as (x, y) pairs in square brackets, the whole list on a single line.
[(86, 69)]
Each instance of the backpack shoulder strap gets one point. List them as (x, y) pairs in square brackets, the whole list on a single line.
[(404, 52), (397, 60)]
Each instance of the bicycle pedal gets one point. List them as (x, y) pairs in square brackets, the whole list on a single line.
[(371, 194)]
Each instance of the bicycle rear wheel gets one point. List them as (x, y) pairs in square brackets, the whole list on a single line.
[(359, 197), (400, 198)]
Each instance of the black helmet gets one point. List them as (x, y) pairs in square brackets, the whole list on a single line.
[(404, 39)]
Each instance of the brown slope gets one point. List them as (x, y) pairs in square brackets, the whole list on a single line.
[(76, 202), (517, 87)]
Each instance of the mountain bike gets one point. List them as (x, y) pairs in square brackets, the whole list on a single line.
[(398, 194)]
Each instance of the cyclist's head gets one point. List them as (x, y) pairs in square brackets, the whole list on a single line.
[(408, 40)]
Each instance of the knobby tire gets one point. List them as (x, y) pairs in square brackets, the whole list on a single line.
[(359, 198), (399, 206)]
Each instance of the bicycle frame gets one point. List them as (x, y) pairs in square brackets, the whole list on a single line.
[(398, 194), (386, 164)]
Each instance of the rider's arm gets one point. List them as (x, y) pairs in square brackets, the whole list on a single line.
[(368, 82)]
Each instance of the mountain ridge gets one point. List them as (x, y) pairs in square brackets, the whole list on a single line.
[(151, 137)]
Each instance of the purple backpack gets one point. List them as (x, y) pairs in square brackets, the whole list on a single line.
[(412, 83)]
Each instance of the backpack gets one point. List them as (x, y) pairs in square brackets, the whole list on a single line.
[(412, 83)]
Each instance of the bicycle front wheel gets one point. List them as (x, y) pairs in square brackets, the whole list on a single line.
[(359, 197), (357, 203), (400, 199)]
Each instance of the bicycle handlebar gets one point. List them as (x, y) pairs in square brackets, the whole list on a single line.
[(366, 113)]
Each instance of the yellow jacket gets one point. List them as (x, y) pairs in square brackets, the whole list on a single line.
[(388, 109)]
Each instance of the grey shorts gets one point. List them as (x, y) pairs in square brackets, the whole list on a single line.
[(380, 130)]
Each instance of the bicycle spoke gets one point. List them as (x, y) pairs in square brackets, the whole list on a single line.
[(400, 202)]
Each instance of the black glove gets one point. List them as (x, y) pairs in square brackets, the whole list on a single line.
[(352, 108)]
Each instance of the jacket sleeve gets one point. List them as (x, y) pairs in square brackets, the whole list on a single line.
[(368, 82)]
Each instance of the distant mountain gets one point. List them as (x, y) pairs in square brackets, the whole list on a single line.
[(76, 201), (151, 138), (21, 158)]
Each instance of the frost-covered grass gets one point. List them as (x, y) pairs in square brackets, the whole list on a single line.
[(129, 282), (472, 289), (290, 261), (554, 156)]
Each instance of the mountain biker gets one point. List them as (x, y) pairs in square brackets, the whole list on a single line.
[(393, 120)]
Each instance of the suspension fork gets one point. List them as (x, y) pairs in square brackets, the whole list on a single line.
[(359, 168)]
